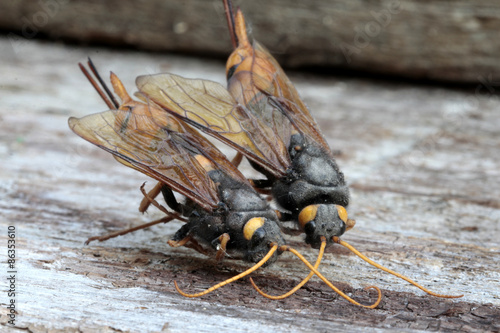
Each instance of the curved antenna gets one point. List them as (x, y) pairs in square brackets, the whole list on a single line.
[(234, 278), (298, 286), (371, 262), (329, 284)]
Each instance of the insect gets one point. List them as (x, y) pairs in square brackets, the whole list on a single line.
[(261, 116), (223, 212)]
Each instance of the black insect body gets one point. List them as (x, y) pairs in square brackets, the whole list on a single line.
[(242, 214), (312, 191), (310, 185), (304, 177), (225, 214), (261, 115)]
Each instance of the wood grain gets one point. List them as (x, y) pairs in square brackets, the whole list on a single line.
[(454, 41), (421, 160)]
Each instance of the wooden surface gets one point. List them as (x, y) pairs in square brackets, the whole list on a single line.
[(422, 162), (441, 40)]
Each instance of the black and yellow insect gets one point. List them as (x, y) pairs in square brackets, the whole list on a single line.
[(261, 115), (223, 212)]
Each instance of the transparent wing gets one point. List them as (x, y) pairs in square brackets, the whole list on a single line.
[(158, 145), (210, 107), (256, 80)]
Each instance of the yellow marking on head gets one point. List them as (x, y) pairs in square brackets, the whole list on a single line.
[(205, 162), (307, 215), (342, 213), (251, 226)]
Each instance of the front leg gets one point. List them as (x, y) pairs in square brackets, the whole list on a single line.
[(183, 238), (221, 246)]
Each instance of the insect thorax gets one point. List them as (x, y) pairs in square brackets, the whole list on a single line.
[(312, 178)]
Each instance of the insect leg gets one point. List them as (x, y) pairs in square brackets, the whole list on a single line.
[(145, 203), (170, 216), (221, 252), (237, 159), (170, 199), (165, 219), (182, 238), (152, 201)]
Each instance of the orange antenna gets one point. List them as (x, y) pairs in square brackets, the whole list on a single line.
[(234, 278), (329, 284), (371, 262), (298, 286)]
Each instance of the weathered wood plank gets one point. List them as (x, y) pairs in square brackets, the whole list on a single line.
[(441, 40), (424, 172)]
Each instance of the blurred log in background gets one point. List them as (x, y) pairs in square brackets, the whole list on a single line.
[(439, 40)]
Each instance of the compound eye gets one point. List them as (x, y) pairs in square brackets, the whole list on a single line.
[(258, 236), (234, 60), (310, 228), (342, 213), (251, 227), (307, 215), (230, 71)]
